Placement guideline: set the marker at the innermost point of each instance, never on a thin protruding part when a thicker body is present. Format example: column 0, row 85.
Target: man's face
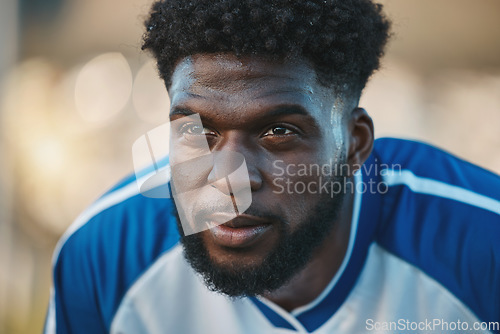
column 288, row 128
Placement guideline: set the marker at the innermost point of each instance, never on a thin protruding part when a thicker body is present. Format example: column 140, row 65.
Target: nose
column 231, row 172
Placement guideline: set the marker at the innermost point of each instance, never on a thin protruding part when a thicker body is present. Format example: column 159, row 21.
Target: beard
column 288, row 257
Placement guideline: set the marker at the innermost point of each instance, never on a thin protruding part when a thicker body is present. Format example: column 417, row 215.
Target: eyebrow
column 284, row 110
column 281, row 110
column 181, row 112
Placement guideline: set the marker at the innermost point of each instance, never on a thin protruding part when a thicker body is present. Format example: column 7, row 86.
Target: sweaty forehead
column 226, row 73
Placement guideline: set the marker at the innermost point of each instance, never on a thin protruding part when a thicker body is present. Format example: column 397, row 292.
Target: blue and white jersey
column 423, row 257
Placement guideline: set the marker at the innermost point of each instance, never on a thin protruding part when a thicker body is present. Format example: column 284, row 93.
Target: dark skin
column 272, row 111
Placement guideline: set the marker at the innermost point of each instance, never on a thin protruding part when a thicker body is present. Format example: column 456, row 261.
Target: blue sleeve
column 103, row 257
column 77, row 309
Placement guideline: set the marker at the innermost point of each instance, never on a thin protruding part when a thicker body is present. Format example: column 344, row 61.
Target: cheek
column 312, row 166
column 297, row 188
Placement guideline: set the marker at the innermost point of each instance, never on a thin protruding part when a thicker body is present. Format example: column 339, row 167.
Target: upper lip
column 242, row 220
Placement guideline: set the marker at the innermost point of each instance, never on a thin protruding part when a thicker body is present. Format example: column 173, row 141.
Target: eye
column 278, row 131
column 194, row 130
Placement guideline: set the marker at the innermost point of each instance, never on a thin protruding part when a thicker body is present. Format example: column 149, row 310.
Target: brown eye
column 278, row 131
column 194, row 129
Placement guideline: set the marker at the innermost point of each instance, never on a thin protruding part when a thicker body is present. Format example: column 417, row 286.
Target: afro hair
column 342, row 39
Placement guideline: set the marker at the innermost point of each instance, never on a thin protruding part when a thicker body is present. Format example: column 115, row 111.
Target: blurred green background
column 76, row 91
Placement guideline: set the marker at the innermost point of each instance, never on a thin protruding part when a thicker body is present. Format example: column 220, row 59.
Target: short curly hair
column 343, row 39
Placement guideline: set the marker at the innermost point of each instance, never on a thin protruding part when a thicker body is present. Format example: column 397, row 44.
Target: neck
column 308, row 284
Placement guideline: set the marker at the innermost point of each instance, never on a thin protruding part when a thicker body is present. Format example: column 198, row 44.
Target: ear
column 361, row 137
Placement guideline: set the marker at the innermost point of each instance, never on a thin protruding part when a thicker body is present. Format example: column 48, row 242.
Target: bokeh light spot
column 149, row 96
column 103, row 87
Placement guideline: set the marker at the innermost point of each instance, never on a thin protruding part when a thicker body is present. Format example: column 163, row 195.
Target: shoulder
column 429, row 162
column 109, row 246
column 442, row 215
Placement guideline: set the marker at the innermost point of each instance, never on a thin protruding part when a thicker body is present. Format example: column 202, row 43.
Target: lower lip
column 238, row 237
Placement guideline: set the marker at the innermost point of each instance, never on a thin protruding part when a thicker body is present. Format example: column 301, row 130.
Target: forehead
column 230, row 77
